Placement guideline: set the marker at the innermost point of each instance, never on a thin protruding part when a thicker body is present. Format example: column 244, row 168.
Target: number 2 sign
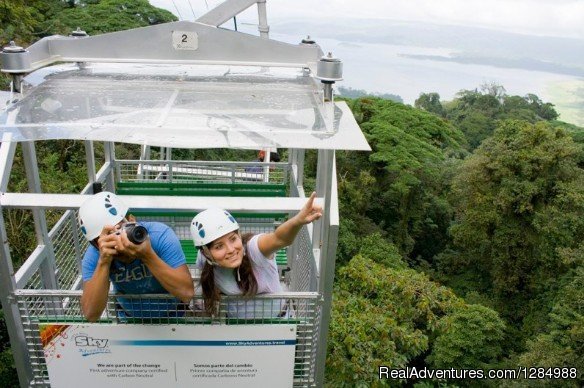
column 185, row 40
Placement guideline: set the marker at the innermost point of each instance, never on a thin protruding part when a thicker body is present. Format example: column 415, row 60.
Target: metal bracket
column 14, row 58
column 154, row 44
column 11, row 298
column 225, row 11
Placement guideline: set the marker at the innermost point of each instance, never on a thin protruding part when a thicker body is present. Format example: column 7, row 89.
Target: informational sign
column 98, row 355
column 185, row 40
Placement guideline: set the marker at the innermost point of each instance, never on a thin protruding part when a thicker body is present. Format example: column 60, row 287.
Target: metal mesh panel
column 302, row 262
column 314, row 338
column 35, row 282
column 196, row 172
column 301, row 309
column 67, row 244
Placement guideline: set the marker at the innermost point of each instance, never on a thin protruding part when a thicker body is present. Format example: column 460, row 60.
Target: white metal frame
column 216, row 46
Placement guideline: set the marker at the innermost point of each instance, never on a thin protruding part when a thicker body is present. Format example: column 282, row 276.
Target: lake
column 387, row 68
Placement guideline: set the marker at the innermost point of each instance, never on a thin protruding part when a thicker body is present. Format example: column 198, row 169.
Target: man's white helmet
column 102, row 209
column 211, row 224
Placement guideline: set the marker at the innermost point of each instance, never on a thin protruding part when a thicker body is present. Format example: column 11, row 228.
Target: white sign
column 185, row 40
column 98, row 355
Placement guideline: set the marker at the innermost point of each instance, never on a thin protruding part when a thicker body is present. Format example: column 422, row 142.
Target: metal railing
column 68, row 245
column 38, row 307
column 301, row 307
column 201, row 171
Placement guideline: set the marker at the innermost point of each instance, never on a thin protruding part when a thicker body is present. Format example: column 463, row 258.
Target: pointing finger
column 310, row 203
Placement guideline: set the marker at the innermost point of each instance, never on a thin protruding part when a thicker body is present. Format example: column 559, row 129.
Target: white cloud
column 541, row 17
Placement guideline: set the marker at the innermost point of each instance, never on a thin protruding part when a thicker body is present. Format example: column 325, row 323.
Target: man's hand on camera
column 106, row 243
column 125, row 247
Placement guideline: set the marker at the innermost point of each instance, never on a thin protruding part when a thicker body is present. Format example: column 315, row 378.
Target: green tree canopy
column 476, row 112
column 430, row 102
column 471, row 337
column 387, row 314
column 405, row 175
column 561, row 344
column 518, row 202
column 112, row 15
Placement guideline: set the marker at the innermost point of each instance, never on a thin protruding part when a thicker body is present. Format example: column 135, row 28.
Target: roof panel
column 182, row 106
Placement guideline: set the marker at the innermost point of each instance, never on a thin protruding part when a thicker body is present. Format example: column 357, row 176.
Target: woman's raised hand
column 310, row 212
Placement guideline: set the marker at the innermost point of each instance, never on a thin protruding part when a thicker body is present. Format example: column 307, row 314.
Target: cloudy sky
column 563, row 18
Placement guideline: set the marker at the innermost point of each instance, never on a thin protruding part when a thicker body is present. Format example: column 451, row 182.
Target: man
column 155, row 266
column 274, row 157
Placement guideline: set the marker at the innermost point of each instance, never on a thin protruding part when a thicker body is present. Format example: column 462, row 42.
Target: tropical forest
column 461, row 241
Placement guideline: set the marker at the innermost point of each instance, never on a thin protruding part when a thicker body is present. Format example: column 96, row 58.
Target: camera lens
column 137, row 234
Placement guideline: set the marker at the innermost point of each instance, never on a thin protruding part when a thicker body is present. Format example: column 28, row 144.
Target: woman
column 233, row 264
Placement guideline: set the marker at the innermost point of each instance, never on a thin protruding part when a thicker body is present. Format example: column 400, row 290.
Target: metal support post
column 292, row 157
column 300, row 163
column 263, row 27
column 327, row 274
column 10, row 309
column 7, row 151
column 90, row 161
column 296, row 163
column 267, row 167
column 49, row 266
column 17, row 83
column 328, row 91
column 323, row 189
column 225, row 11
column 169, row 165
column 110, row 158
column 7, row 279
column 144, row 155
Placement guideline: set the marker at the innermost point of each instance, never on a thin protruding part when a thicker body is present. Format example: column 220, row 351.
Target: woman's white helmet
column 211, row 224
column 101, row 209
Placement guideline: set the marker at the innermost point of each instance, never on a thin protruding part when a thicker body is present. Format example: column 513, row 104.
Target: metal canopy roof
column 181, row 106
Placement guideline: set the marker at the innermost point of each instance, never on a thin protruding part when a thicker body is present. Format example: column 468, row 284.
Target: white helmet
column 102, row 209
column 211, row 224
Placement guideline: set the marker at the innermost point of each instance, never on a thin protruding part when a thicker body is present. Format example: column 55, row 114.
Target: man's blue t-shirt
column 136, row 278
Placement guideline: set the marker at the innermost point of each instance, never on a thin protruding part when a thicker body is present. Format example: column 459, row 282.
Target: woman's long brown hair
column 248, row 283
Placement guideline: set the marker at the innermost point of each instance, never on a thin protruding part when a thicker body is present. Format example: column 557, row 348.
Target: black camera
column 137, row 234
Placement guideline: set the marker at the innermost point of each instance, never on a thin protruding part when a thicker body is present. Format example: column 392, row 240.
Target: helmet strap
column 244, row 252
column 208, row 255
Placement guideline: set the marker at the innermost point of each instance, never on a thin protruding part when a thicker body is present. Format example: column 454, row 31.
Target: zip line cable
column 192, row 10
column 177, row 11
